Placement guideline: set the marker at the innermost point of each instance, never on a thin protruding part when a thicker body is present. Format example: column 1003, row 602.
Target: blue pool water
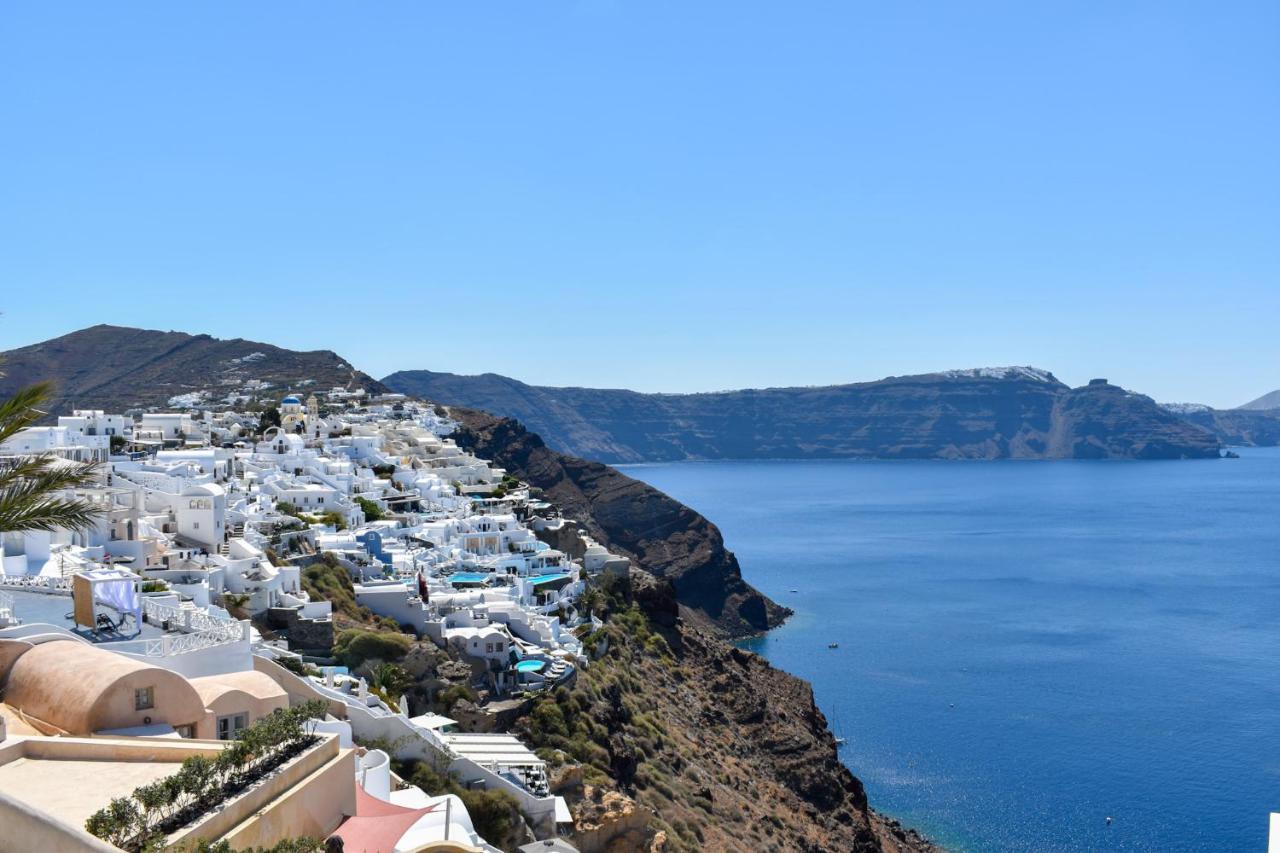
column 530, row 665
column 1028, row 647
column 547, row 578
column 468, row 577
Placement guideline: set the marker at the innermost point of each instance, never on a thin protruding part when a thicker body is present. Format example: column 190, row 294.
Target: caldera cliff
column 661, row 535
column 989, row 413
column 673, row 738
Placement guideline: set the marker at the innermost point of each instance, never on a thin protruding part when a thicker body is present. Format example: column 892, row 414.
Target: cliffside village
column 180, row 621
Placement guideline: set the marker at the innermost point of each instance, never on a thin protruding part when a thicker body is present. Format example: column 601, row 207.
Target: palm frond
column 48, row 513
column 19, row 468
column 47, row 473
column 33, row 488
column 23, row 408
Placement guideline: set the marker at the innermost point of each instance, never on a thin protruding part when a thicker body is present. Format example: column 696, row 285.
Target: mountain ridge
column 981, row 413
column 1270, row 400
column 120, row 367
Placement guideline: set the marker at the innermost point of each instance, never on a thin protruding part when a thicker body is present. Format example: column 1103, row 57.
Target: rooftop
column 71, row 778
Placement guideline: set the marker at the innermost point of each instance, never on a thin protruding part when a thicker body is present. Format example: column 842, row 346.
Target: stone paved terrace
column 74, row 789
column 38, row 607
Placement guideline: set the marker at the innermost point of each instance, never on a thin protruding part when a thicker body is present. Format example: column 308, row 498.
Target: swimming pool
column 537, row 579
column 530, row 665
column 469, row 577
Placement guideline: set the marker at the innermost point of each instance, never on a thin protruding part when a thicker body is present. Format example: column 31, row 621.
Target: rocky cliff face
column 1240, row 427
column 695, row 745
column 1000, row 413
column 116, row 368
column 1102, row 421
column 688, row 743
column 660, row 534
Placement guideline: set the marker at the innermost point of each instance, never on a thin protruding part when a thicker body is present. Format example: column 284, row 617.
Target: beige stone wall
column 315, row 808
column 307, row 797
column 27, row 825
column 298, row 689
column 27, row 829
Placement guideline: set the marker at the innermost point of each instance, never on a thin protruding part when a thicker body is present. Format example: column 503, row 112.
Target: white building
column 93, row 422
column 59, row 441
column 200, row 512
column 168, row 426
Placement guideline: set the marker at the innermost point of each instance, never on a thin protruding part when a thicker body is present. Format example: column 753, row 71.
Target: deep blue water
column 1029, row 647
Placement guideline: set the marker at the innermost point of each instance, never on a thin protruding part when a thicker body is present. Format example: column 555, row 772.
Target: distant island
column 985, row 413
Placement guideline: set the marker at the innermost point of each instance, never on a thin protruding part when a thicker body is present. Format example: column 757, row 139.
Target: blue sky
column 664, row 196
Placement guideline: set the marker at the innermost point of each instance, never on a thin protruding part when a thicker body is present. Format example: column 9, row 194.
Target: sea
column 1030, row 655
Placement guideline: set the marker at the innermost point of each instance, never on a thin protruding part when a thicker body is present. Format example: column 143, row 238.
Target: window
column 185, row 731
column 231, row 725
column 144, row 698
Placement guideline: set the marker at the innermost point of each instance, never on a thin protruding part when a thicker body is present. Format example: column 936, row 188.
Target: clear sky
column 664, row 196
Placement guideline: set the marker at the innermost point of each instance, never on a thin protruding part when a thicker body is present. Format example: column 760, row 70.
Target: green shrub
column 450, row 695
column 372, row 512
column 141, row 820
column 294, row 665
column 492, row 812
column 328, row 580
column 548, row 717
column 392, row 680
column 421, row 773
column 354, row 646
column 334, row 519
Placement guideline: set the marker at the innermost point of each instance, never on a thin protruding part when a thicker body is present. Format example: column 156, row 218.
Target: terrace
column 35, row 608
column 186, row 640
column 51, row 787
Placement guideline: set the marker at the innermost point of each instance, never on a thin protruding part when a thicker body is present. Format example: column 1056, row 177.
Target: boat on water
column 833, row 645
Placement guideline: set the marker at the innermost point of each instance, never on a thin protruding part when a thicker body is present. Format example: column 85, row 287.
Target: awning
column 377, row 825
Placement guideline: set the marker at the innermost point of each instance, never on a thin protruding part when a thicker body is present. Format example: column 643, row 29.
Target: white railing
column 177, row 644
column 157, row 612
column 188, row 620
column 37, row 583
column 202, row 622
